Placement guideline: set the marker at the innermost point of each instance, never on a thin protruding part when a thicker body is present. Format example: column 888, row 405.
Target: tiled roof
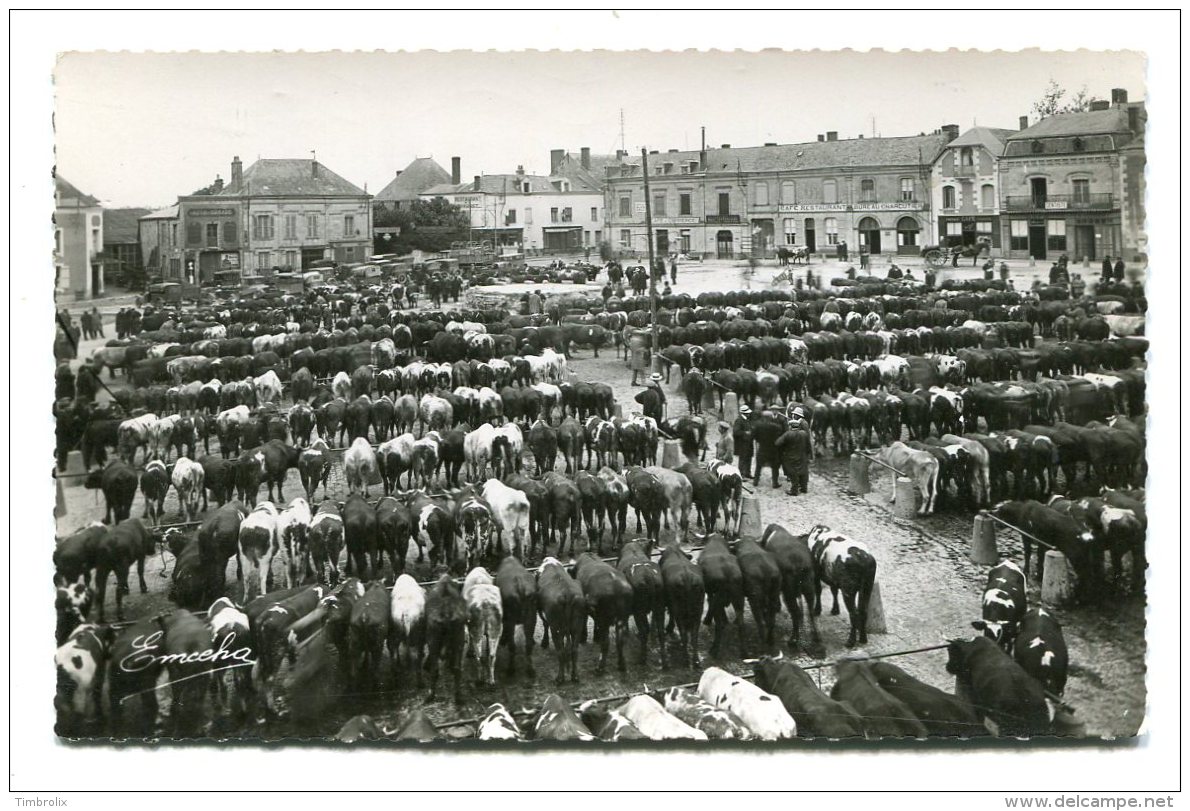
column 421, row 174
column 593, row 177
column 67, row 190
column 120, row 225
column 852, row 152
column 167, row 213
column 1092, row 122
column 292, row 177
column 990, row 138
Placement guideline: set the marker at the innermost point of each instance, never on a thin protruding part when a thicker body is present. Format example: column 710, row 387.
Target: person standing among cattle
column 1118, row 270
column 673, row 268
column 86, row 384
column 97, row 322
column 534, row 302
column 725, row 447
column 794, row 447
column 741, row 435
column 1105, row 277
column 652, row 399
column 765, row 431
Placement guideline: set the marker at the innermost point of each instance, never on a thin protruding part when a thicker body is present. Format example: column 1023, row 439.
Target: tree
column 426, row 225
column 1050, row 102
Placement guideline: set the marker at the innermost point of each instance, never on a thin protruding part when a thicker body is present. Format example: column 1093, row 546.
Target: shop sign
column 901, row 206
column 723, row 219
column 211, row 212
column 1051, row 205
column 230, row 260
column 790, row 208
column 675, row 220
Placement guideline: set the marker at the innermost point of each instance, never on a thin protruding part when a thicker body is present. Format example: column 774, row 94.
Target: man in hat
column 797, row 415
column 1105, row 277
column 795, row 449
column 741, row 435
column 652, row 399
column 1118, row 270
column 765, row 432
column 86, row 383
column 725, row 447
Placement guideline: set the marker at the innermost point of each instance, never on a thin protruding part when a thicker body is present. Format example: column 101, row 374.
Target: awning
column 561, row 228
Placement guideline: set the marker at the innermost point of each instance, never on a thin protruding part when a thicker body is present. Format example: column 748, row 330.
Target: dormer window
column 1078, row 145
column 669, row 168
column 1037, row 147
column 525, row 187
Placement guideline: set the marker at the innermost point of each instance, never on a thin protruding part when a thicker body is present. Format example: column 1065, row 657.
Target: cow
column 271, row 618
column 258, row 546
column 188, row 477
column 1058, row 531
column 267, row 388
column 762, row 713
column 160, row 436
column 556, row 721
column 1004, row 604
column 477, row 448
column 360, row 534
column 359, row 466
column 1008, row 700
column 920, row 466
column 608, row 597
column 941, row 713
column 608, row 724
column 648, row 596
column 724, row 584
column 426, row 452
column 682, row 585
column 883, row 714
column 434, row 526
column 497, row 725
column 485, row 622
column 314, row 468
column 185, row 639
column 115, row 552
column 132, row 434
column 407, row 625
column 446, row 630
column 135, row 666
column 508, row 446
column 563, row 609
column 815, row 713
column 731, row 494
column 518, row 598
column 1041, row 650
column 154, row 486
column 510, row 508
column 230, row 630
column 796, row 564
column 647, row 715
column 843, row 563
column 616, row 499
column 301, row 423
column 762, row 587
column 293, row 524
column 543, row 443
column 564, row 509
column 369, row 631
column 81, row 663
column 679, row 495
column 325, row 540
column 716, row 723
column 72, row 604
column 118, row 481
column 395, row 457
column 341, row 385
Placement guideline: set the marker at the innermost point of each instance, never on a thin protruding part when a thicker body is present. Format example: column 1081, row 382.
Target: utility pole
column 644, row 155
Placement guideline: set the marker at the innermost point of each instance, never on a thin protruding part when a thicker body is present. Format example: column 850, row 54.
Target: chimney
column 313, row 168
column 653, row 152
column 585, row 157
column 671, row 150
column 476, row 183
column 770, row 143
column 520, row 169
column 620, row 154
column 1100, row 104
column 821, row 137
column 556, row 158
column 237, row 173
column 860, row 136
column 218, row 184
column 951, row 131
column 1024, row 122
column 456, row 170
column 1119, row 95
column 1134, row 120
column 726, row 146
column 832, row 135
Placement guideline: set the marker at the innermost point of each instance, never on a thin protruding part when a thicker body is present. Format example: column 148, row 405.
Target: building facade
column 410, row 182
column 123, row 263
column 964, row 188
column 78, row 242
column 538, row 213
column 279, row 214
column 161, row 244
column 1073, row 184
column 870, row 193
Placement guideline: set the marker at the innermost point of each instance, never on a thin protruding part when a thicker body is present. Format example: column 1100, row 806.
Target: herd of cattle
column 430, row 397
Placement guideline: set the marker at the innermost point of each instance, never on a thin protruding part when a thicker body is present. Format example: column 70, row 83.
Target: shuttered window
column 193, row 233
column 229, row 232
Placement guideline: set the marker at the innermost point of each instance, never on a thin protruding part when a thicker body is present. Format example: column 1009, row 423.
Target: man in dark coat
column 1119, row 269
column 794, row 447
column 652, row 399
column 741, row 435
column 765, row 432
column 673, row 269
column 1107, row 270
column 86, row 384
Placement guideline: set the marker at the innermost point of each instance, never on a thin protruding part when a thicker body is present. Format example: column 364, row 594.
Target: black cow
column 762, row 586
column 609, row 603
column 128, row 543
column 118, row 481
column 1009, row 701
column 648, row 596
column 1042, row 650
column 518, row 598
column 792, row 553
column 816, row 713
column 1004, row 604
column 883, row 715
column 942, row 713
column 724, row 584
column 563, row 609
column 446, row 630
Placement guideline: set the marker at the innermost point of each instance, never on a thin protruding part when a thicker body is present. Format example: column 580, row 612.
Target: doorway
column 869, row 234
column 1037, row 241
column 723, row 245
column 1084, row 241
column 808, row 227
column 96, row 280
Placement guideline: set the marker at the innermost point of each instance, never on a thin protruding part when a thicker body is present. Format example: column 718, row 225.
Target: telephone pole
column 644, row 164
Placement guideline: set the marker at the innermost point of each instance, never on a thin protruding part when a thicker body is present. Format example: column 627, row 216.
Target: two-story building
column 557, row 213
column 1073, row 184
column 161, row 243
column 122, row 258
column 964, row 190
column 78, row 241
column 277, row 214
column 871, row 193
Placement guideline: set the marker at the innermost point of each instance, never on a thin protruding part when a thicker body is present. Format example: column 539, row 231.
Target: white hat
column 745, row 410
column 656, row 376
column 797, row 412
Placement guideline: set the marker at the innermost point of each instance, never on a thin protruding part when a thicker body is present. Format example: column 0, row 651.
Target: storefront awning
column 561, row 228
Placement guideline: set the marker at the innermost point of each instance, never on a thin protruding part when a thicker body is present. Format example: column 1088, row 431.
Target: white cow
column 292, row 526
column 647, row 715
column 477, row 450
column 188, row 479
column 510, row 507
column 359, row 466
column 485, row 620
column 258, row 547
column 267, row 388
column 762, row 713
column 341, row 385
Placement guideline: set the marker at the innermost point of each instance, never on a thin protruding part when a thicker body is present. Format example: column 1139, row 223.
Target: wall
column 331, row 212
column 79, row 249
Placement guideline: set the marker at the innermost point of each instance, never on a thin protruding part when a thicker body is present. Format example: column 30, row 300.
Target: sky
column 139, row 129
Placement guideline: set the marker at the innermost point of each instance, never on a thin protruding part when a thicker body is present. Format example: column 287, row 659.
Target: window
column 525, row 187
column 724, row 203
column 262, row 226
column 830, row 192
column 948, row 196
column 907, row 229
column 659, row 205
column 510, row 216
column 657, row 169
column 626, row 206
column 625, row 238
column 790, row 226
column 1018, row 235
column 762, row 194
column 58, row 240
column 1082, row 190
column 229, row 232
column 567, row 215
column 553, row 215
column 954, row 229
column 984, row 228
column 96, row 242
column 867, row 191
column 684, row 204
column 788, row 192
column 1078, row 145
column 685, row 168
column 262, row 259
column 212, row 235
column 831, row 226
column 1037, row 147
column 528, row 216
column 669, row 168
column 348, row 225
column 586, row 237
column 312, row 225
column 173, row 233
column 684, row 237
column 291, row 226
column 987, row 196
column 95, row 221
column 908, row 191
column 966, row 156
column 594, row 214
column 291, row 258
column 1055, row 232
